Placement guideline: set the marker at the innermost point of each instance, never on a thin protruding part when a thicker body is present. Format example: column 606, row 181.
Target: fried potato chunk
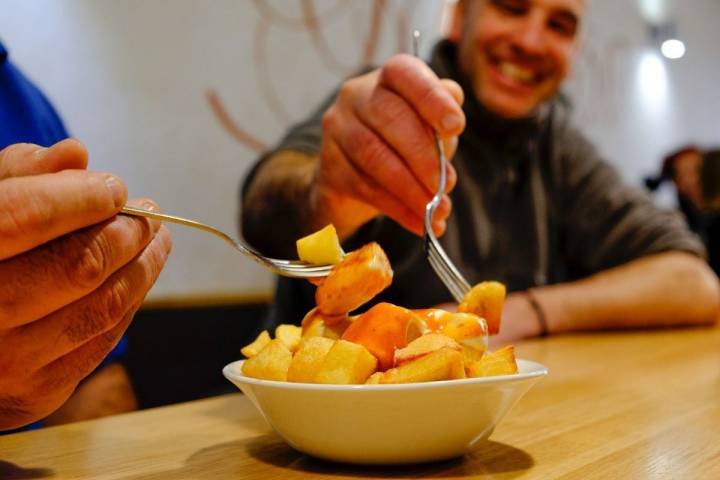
column 271, row 363
column 383, row 329
column 346, row 363
column 374, row 379
column 471, row 354
column 252, row 349
column 467, row 329
column 315, row 324
column 443, row 364
column 290, row 335
column 321, row 247
column 424, row 345
column 500, row 362
column 486, row 300
column 307, row 360
column 314, row 328
column 361, row 275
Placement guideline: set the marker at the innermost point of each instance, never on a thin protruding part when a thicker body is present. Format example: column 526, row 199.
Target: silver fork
column 439, row 261
column 287, row 268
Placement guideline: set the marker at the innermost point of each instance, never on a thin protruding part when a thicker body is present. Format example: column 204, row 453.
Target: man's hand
column 519, row 321
column 73, row 274
column 378, row 152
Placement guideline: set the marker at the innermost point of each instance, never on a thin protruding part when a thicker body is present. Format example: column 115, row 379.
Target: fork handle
column 141, row 212
column 288, row 268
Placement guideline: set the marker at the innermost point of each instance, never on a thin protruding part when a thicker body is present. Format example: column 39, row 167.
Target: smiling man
column 516, row 52
column 533, row 205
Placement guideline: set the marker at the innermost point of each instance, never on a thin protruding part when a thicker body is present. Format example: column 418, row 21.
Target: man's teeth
column 517, row 72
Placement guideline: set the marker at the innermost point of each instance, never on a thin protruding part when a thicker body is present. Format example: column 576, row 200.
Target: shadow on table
column 268, row 456
column 10, row 471
column 489, row 458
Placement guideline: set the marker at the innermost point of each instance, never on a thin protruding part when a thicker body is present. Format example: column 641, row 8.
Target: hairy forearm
column 668, row 289
column 276, row 208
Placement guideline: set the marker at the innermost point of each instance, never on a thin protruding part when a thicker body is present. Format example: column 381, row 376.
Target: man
column 534, row 206
column 73, row 273
column 696, row 175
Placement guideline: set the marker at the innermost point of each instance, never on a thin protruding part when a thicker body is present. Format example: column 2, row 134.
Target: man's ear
column 457, row 18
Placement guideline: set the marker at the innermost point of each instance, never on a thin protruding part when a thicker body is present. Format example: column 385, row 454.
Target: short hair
column 666, row 172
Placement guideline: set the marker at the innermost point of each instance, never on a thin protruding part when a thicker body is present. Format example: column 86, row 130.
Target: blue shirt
column 26, row 116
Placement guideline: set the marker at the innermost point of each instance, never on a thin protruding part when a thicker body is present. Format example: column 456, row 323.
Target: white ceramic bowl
column 387, row 424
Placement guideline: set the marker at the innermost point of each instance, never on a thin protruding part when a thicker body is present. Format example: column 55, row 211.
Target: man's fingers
column 454, row 89
column 450, row 145
column 392, row 111
column 439, row 220
column 346, row 178
column 69, row 361
column 375, row 160
column 379, row 145
column 26, row 159
column 66, row 372
column 90, row 319
column 399, row 125
column 58, row 273
column 413, row 80
column 36, row 209
column 393, row 120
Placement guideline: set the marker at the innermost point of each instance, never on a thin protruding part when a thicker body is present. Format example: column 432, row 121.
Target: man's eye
column 564, row 27
column 510, row 7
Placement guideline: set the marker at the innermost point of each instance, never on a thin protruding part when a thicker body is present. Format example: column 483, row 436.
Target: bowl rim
column 230, row 371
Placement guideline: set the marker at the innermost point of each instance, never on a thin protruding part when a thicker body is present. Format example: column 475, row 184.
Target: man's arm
column 371, row 151
column 276, row 204
column 663, row 290
column 283, row 203
column 644, row 268
column 667, row 289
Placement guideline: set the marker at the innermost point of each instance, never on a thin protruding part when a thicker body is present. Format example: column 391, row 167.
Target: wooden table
column 615, row 406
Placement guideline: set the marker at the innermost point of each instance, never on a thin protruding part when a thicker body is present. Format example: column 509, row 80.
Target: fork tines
column 445, row 270
column 297, row 269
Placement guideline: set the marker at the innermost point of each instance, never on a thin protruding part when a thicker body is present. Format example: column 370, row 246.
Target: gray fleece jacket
column 534, row 204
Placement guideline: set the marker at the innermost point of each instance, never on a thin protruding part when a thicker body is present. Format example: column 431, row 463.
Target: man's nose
column 531, row 36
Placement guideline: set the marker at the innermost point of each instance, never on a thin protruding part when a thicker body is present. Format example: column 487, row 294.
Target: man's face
column 686, row 173
column 517, row 52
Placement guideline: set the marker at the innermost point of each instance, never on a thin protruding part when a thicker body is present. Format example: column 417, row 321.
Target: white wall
column 130, row 78
column 633, row 102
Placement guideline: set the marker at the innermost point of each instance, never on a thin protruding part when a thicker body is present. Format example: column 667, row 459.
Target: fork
column 286, row 268
column 439, row 260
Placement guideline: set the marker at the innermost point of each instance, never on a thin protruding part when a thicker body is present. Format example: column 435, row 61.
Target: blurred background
column 179, row 97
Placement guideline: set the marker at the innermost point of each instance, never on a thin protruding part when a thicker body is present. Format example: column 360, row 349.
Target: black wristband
column 539, row 313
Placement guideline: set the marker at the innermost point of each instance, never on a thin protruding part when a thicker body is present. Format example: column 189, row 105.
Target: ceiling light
column 673, row 49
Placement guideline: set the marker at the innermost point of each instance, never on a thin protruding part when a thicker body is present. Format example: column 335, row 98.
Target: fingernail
column 451, row 122
column 152, row 207
column 147, row 204
column 40, row 153
column 117, row 188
